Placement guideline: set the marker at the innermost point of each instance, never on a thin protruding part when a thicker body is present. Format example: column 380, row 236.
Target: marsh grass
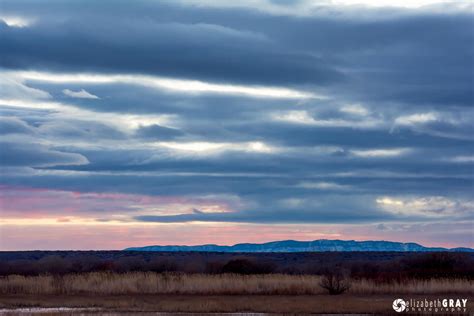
column 106, row 283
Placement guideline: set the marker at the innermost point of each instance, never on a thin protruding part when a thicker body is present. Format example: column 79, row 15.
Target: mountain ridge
column 319, row 245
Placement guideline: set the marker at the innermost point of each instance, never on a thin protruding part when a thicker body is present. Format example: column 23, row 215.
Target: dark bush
column 364, row 270
column 103, row 265
column 214, row 267
column 334, row 282
column 129, row 264
column 245, row 266
column 22, row 267
column 439, row 265
column 161, row 265
column 54, row 265
column 86, row 263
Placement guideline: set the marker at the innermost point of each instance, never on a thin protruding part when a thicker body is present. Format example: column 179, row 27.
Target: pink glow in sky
column 54, row 219
column 43, row 203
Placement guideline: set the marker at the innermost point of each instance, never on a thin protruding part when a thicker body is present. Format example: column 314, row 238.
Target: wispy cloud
column 16, row 21
column 380, row 153
column 179, row 85
column 81, row 94
column 303, row 117
column 418, row 118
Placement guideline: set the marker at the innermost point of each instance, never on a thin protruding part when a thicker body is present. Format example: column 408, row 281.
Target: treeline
column 416, row 265
column 419, row 266
column 57, row 265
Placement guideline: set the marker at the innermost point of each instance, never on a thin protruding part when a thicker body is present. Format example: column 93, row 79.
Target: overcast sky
column 187, row 122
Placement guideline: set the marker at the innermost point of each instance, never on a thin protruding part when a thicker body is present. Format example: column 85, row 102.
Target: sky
column 190, row 122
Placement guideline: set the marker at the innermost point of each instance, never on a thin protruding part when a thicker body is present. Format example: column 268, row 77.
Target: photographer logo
column 399, row 305
column 444, row 305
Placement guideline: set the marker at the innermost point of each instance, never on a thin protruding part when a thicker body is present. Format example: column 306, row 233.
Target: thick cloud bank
column 260, row 112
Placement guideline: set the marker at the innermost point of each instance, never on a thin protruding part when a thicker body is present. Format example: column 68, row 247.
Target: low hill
column 305, row 246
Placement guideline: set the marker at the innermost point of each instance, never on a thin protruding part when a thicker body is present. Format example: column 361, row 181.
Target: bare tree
column 334, row 282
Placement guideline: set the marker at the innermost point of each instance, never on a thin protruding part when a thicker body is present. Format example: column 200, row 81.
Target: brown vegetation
column 106, row 283
column 217, row 282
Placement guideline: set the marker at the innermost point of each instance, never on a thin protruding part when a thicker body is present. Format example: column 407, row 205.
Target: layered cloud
column 252, row 114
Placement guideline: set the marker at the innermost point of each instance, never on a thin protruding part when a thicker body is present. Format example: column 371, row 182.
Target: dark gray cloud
column 328, row 215
column 196, row 51
column 417, row 58
column 13, row 125
column 80, row 129
column 397, row 120
column 30, row 154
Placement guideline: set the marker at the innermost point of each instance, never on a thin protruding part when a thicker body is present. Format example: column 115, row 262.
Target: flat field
column 198, row 293
column 122, row 282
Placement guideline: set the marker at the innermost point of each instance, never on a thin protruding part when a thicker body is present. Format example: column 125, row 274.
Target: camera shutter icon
column 399, row 305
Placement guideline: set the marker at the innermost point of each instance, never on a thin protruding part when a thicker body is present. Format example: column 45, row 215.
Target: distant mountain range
column 305, row 246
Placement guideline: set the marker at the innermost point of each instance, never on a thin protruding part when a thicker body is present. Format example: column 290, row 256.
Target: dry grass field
column 212, row 282
column 106, row 283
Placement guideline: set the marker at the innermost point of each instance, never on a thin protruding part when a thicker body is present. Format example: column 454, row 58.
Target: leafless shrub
column 334, row 282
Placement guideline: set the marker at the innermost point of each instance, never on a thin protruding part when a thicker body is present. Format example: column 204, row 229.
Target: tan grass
column 431, row 286
column 103, row 283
